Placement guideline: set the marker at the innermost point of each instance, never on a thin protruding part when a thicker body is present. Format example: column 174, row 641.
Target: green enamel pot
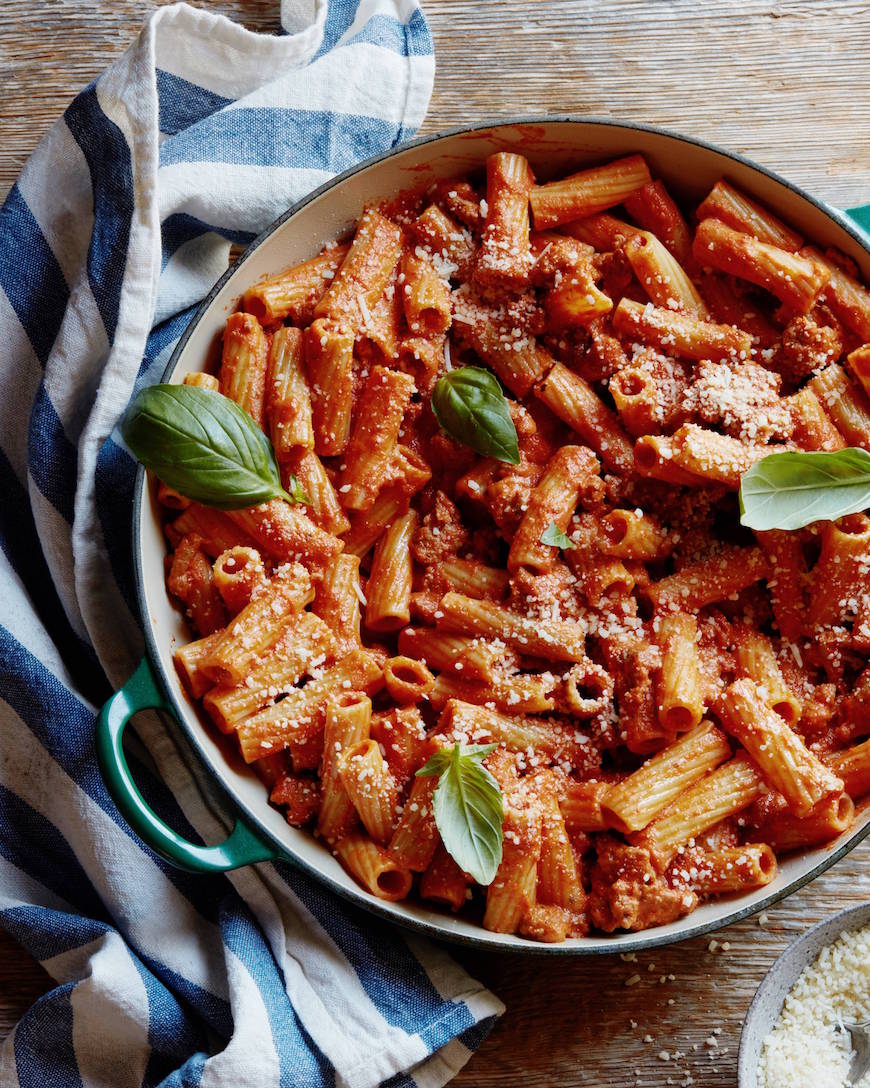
column 555, row 146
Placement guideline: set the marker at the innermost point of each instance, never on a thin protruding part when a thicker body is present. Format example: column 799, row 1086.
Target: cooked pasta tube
column 781, row 755
column 258, row 626
column 373, row 867
column 188, row 664
column 519, row 693
column 679, row 692
column 569, row 473
column 295, row 292
column 635, row 801
column 401, row 734
column 337, row 600
column 425, row 296
column 514, row 885
column 849, row 300
column 737, row 210
column 444, row 882
column 329, row 366
column 796, row 280
column 574, row 401
column 473, row 658
column 449, row 239
column 853, row 766
column 720, row 872
column 604, row 232
column 756, row 660
column 787, row 582
column 839, row 577
column 727, row 790
column 204, row 381
column 304, row 644
column 321, row 504
column 662, row 277
column 504, row 257
column 633, row 534
column 518, row 361
column 587, row 192
column 287, row 534
column 301, row 714
column 813, row 427
column 708, row 580
column 585, row 690
column 473, row 578
column 717, row 458
column 366, row 777
column 653, row 207
column 581, row 805
column 550, row 740
column 192, row 581
column 243, row 364
column 680, row 334
column 555, row 640
column 377, row 341
column 239, row 575
column 416, row 837
column 859, row 364
column 388, row 590
column 655, row 456
column 288, row 402
column 785, row 831
column 372, row 446
column 367, row 526
column 558, row 880
column 364, row 272
column 215, row 529
column 346, row 723
column 845, row 403
column 407, row 680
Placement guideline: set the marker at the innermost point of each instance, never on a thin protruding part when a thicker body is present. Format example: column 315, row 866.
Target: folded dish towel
column 198, row 136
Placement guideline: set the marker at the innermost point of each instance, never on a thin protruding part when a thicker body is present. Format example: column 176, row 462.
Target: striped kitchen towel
column 197, row 137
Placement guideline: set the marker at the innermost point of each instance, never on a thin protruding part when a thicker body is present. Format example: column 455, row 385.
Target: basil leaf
column 469, row 405
column 297, row 494
column 468, row 809
column 203, row 445
column 554, row 536
column 794, row 489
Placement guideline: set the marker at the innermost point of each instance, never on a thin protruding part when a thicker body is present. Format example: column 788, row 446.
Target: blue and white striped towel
column 199, row 135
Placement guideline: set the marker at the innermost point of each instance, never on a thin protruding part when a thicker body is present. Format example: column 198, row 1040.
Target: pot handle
column 244, row 845
column 861, row 216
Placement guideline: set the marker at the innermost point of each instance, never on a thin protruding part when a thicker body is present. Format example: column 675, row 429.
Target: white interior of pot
column 554, row 148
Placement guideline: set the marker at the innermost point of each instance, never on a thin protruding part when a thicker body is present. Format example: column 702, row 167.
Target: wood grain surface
column 782, row 82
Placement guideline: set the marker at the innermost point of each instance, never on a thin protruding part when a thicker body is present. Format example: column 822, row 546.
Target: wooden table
column 784, row 83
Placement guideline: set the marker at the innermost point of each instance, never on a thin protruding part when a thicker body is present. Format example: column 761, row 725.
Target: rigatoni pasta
column 670, row 701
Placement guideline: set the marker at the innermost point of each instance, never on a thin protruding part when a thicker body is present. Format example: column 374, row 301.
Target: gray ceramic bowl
column 771, row 994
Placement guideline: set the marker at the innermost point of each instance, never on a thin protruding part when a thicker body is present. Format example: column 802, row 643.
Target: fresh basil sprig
column 791, row 490
column 205, row 446
column 469, row 405
column 468, row 808
column 554, row 536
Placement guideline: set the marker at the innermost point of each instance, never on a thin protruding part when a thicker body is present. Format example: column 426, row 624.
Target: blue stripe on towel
column 182, row 103
column 110, row 163
column 292, row 139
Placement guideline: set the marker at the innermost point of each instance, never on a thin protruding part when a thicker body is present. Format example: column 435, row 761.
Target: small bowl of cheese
column 793, row 1035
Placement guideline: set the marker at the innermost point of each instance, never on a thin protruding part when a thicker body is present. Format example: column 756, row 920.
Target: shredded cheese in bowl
column 806, row 1047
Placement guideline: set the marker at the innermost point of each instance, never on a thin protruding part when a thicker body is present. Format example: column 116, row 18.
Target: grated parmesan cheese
column 806, row 1049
